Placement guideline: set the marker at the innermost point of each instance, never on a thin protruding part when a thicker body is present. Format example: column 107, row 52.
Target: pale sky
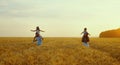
column 58, row 18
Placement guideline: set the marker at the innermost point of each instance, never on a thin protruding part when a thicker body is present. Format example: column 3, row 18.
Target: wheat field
column 59, row 51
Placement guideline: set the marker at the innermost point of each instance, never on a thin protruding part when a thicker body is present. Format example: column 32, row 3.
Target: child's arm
column 33, row 30
column 42, row 31
column 81, row 33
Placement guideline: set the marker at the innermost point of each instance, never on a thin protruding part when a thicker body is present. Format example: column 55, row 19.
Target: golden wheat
column 59, row 51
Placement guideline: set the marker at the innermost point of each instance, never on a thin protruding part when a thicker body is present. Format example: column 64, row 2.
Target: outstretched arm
column 81, row 33
column 42, row 31
column 33, row 30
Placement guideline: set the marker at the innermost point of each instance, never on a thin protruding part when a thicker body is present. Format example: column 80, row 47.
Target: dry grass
column 59, row 51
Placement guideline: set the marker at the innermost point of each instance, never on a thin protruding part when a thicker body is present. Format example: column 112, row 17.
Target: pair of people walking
column 38, row 37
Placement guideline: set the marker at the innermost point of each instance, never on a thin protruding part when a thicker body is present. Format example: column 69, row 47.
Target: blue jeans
column 86, row 44
column 39, row 40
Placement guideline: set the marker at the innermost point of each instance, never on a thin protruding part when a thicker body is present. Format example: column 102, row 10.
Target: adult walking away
column 37, row 36
column 85, row 37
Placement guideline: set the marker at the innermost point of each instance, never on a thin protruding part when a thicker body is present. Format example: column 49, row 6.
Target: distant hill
column 110, row 33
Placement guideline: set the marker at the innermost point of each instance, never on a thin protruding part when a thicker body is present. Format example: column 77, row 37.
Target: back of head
column 85, row 29
column 37, row 28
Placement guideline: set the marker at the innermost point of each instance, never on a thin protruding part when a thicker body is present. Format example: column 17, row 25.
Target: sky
column 58, row 18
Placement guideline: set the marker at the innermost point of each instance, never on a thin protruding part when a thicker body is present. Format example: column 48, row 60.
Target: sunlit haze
column 58, row 18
